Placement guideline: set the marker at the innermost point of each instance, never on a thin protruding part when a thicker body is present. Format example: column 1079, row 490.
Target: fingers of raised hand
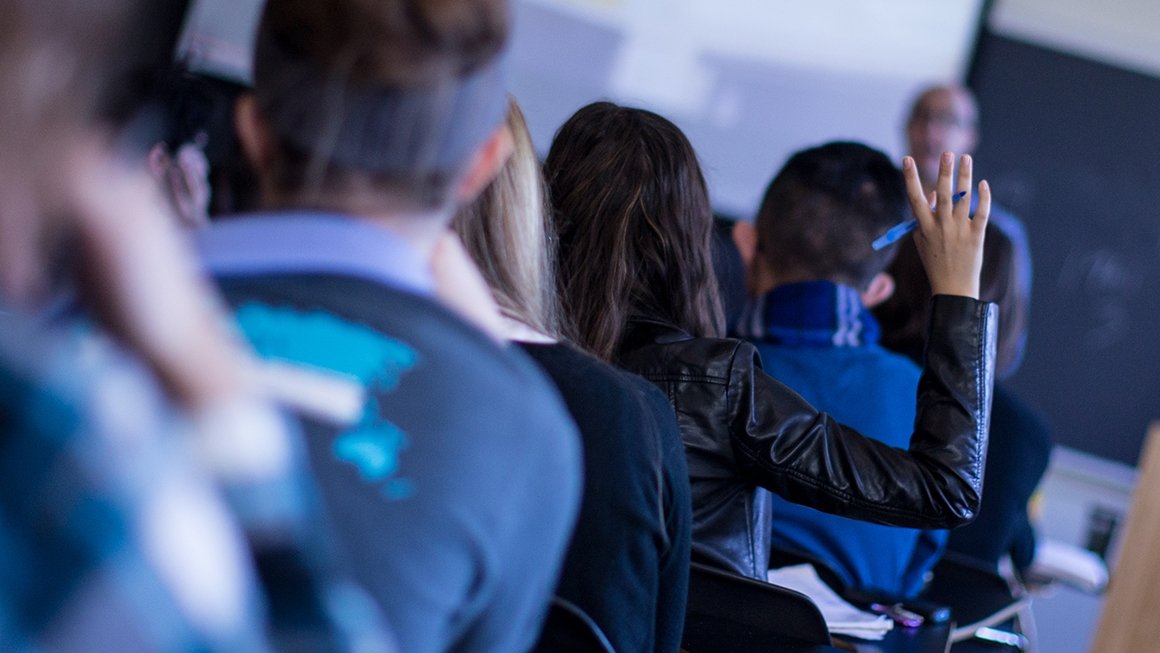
column 983, row 210
column 962, row 208
column 919, row 202
column 944, row 188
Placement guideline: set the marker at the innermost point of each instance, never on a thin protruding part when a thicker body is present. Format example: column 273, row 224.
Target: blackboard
column 1073, row 147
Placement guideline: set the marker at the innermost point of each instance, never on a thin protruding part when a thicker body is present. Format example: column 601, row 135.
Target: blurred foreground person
column 126, row 443
column 112, row 540
column 447, row 462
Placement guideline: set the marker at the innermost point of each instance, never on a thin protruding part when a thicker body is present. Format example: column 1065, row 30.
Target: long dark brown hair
column 634, row 222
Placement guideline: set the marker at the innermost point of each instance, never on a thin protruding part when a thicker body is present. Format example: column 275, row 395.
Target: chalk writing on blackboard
column 1102, row 283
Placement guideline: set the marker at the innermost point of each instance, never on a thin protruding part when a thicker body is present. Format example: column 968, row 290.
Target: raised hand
column 949, row 241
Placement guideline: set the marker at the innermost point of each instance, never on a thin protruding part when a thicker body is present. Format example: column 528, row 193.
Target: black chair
column 727, row 613
column 568, row 629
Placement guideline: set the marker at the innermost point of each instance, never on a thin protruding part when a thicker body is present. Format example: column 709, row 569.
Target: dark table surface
column 925, row 639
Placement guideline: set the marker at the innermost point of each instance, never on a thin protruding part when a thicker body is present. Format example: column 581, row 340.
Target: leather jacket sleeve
column 784, row 444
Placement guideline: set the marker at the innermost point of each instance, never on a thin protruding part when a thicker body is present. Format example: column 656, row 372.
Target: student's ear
column 745, row 238
column 485, row 164
column 880, row 289
column 253, row 132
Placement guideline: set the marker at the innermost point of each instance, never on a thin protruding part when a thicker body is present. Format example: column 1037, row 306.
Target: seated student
column 1021, row 442
column 452, row 478
column 814, row 279
column 112, row 536
column 632, row 213
column 628, row 563
column 83, row 215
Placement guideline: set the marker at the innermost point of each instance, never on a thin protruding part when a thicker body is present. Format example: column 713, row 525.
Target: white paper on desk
column 841, row 617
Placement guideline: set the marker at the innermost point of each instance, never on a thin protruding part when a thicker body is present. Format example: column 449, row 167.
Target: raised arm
column 784, row 444
column 808, row 458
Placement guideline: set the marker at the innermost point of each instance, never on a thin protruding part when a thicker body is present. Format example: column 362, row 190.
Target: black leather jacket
column 744, row 431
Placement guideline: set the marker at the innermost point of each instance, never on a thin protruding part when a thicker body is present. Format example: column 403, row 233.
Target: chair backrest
column 727, row 612
column 568, row 629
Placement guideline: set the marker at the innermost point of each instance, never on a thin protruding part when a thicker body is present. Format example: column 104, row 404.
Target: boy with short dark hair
column 815, row 276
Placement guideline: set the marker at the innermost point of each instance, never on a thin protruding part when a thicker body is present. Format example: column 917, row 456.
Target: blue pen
column 899, row 230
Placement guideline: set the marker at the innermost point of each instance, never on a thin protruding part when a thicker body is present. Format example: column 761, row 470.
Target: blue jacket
column 819, row 340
